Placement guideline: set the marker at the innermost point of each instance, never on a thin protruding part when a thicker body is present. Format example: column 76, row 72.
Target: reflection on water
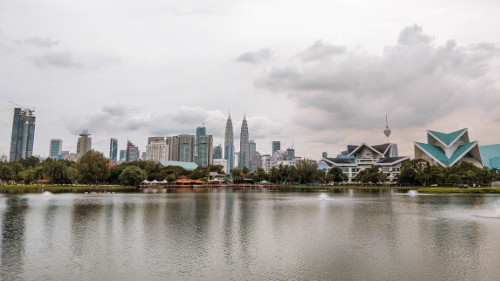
column 251, row 235
column 13, row 238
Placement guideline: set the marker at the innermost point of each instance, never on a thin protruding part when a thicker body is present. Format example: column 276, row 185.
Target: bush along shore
column 473, row 190
column 18, row 189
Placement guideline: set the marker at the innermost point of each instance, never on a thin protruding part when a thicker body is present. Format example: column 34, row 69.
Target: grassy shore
column 442, row 190
column 65, row 188
column 332, row 187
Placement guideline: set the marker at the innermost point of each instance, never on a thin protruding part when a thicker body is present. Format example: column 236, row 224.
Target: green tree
column 371, row 175
column 93, row 167
column 132, row 176
column 260, row 175
column 5, row 172
column 28, row 175
column 199, row 173
column 245, row 170
column 306, row 170
column 236, row 173
column 216, row 168
column 336, row 175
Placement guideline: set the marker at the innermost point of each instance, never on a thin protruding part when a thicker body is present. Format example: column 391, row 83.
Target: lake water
column 250, row 235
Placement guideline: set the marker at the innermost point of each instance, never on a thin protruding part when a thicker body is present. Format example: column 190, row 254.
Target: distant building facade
column 490, row 155
column 276, row 145
column 200, row 131
column 157, row 149
column 229, row 152
column 123, row 155
column 256, row 161
column 221, row 162
column 23, row 134
column 205, row 150
column 181, row 148
column 252, row 148
column 113, row 150
column 55, row 148
column 448, row 149
column 360, row 157
column 244, row 157
column 84, row 142
column 132, row 152
column 217, row 154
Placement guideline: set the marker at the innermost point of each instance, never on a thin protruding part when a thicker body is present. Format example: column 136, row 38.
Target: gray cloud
column 38, row 42
column 413, row 35
column 320, row 50
column 62, row 59
column 414, row 81
column 256, row 57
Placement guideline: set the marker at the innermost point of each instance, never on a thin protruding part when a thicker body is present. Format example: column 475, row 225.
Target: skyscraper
column 84, row 142
column 132, row 152
column 205, row 150
column 200, row 131
column 123, row 155
column 55, row 148
column 186, row 148
column 181, row 148
column 290, row 153
column 244, row 160
column 23, row 134
column 229, row 144
column 157, row 149
column 256, row 161
column 252, row 148
column 217, row 152
column 113, row 149
column 276, row 145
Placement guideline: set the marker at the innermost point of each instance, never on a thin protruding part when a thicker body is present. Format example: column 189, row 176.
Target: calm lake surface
column 250, row 235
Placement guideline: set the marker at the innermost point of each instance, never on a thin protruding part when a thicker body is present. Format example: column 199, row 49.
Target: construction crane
column 25, row 107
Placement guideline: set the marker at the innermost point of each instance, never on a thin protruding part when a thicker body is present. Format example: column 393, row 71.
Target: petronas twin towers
column 244, row 156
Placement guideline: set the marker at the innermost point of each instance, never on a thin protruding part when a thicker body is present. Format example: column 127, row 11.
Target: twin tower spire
column 244, row 156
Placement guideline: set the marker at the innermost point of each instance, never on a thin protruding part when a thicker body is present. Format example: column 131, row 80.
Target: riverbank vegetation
column 17, row 189
column 94, row 169
column 419, row 172
column 439, row 190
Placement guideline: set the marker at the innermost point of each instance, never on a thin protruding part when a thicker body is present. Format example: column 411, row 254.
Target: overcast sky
column 318, row 75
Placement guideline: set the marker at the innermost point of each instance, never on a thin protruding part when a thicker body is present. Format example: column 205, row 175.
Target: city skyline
column 322, row 76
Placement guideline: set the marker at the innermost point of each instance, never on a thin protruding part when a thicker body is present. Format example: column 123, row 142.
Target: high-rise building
column 186, row 148
column 217, row 152
column 23, row 134
column 276, row 145
column 252, row 148
column 132, row 152
column 157, row 149
column 123, row 155
column 113, row 150
column 256, row 161
column 244, row 160
column 84, row 142
column 181, row 148
column 55, row 148
column 290, row 153
column 200, row 131
column 229, row 144
column 205, row 150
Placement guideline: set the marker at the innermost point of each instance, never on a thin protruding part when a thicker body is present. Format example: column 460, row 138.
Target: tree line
column 93, row 168
column 419, row 172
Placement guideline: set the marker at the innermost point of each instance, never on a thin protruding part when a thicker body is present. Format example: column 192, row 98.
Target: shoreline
column 23, row 189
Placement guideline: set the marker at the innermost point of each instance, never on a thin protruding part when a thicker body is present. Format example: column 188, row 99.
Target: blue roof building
column 448, row 149
column 490, row 154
